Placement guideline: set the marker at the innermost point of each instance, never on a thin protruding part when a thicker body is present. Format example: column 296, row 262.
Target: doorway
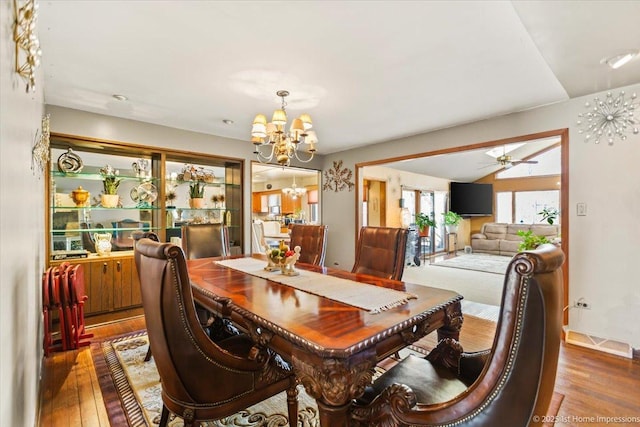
column 374, row 211
column 281, row 196
column 440, row 163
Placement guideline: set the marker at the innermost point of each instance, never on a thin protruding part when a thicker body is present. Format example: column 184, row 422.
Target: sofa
column 502, row 239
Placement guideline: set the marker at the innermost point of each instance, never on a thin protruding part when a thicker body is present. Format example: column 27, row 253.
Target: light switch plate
column 581, row 209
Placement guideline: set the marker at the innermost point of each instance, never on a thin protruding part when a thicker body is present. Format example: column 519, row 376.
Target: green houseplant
column 451, row 221
column 196, row 194
column 549, row 214
column 110, row 184
column 424, row 222
column 530, row 241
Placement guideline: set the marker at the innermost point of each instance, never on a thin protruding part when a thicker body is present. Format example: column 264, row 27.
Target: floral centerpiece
column 283, row 259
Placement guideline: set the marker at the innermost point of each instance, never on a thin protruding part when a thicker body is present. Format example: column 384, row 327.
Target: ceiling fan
column 507, row 161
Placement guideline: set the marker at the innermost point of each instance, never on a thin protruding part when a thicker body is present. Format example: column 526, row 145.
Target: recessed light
column 620, row 59
column 120, row 97
column 228, row 122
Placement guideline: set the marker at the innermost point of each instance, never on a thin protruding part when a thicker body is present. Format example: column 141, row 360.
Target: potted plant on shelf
column 549, row 214
column 110, row 184
column 196, row 195
column 451, row 221
column 424, row 224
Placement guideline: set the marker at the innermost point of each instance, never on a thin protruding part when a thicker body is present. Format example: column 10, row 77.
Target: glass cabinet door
column 200, row 193
column 81, row 215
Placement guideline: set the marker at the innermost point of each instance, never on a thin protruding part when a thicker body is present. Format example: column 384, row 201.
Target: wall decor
column 28, row 51
column 40, row 151
column 70, row 162
column 338, row 179
column 609, row 119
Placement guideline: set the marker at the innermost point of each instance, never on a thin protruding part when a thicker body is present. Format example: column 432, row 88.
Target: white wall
column 21, row 238
column 604, row 245
column 81, row 123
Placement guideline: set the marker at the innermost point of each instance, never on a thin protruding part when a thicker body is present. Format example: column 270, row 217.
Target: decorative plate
column 144, row 193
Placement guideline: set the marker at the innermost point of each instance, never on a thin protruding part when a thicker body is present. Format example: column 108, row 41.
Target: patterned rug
column 132, row 392
column 479, row 262
column 134, row 384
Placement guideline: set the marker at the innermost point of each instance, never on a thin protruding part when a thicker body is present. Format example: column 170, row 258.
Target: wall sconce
column 27, row 41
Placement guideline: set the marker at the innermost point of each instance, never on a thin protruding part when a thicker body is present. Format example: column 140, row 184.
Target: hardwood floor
column 594, row 384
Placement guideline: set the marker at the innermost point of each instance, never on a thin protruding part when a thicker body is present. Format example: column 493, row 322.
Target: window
column 504, row 207
column 525, row 205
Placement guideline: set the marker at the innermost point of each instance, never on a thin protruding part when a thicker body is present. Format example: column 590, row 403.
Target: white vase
column 109, row 200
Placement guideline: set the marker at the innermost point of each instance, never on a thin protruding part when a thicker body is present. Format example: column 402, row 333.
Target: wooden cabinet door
column 290, row 205
column 256, row 202
column 99, row 286
column 126, row 285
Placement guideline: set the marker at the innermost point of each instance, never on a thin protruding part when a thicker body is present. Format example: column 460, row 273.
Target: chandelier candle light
column 294, row 191
column 610, row 118
column 282, row 146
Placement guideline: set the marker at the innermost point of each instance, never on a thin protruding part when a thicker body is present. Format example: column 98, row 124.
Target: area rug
column 132, row 392
column 479, row 262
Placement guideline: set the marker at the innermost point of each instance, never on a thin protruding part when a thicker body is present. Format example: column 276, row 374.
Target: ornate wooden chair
column 507, row 385
column 205, row 240
column 312, row 240
column 380, row 252
column 201, row 379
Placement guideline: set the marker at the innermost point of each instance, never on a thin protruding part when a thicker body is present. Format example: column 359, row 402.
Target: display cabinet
column 153, row 191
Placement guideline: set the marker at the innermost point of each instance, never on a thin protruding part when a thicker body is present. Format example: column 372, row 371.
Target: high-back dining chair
column 258, row 237
column 205, row 240
column 137, row 235
column 380, row 252
column 201, row 379
column 312, row 240
column 509, row 385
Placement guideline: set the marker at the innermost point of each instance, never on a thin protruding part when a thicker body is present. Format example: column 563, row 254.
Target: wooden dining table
column 332, row 346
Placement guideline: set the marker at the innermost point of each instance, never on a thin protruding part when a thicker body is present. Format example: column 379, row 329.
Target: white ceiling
column 366, row 71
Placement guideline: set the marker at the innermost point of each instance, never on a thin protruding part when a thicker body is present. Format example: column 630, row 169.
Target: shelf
column 98, row 177
column 66, row 231
column 101, row 208
column 204, row 209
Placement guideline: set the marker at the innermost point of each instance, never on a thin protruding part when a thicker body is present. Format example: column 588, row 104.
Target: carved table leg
column 334, row 383
column 452, row 322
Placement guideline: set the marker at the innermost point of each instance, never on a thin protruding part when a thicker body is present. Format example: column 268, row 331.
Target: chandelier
column 610, row 118
column 272, row 142
column 294, row 191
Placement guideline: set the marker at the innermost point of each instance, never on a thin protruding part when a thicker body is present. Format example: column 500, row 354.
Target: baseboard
column 601, row 344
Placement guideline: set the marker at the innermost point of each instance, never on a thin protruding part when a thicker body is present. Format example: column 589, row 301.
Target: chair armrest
column 478, row 236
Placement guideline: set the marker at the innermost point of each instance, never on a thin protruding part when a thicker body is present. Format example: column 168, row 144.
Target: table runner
column 372, row 298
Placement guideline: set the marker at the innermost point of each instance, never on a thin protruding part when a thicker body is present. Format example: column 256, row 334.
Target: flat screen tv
column 471, row 199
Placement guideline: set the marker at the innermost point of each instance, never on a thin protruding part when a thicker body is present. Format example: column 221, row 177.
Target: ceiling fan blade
column 530, row 162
